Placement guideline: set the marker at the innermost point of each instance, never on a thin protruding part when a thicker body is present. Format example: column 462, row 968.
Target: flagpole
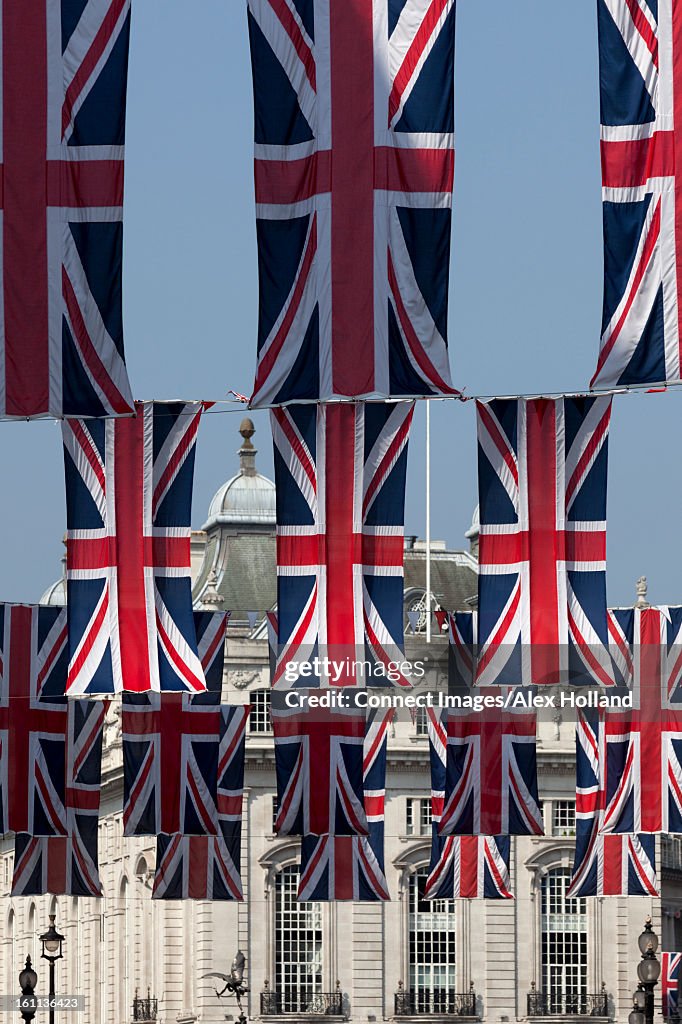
column 428, row 522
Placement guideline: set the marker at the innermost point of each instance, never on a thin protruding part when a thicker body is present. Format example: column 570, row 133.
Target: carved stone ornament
column 241, row 678
column 211, row 598
column 642, row 588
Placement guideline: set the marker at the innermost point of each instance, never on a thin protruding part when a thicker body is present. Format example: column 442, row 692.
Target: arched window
column 431, row 933
column 298, row 946
column 564, row 944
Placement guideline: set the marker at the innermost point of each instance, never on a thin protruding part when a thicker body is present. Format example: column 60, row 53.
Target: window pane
column 259, row 719
column 298, row 945
column 418, row 816
column 563, row 817
column 422, row 722
column 432, row 949
column 564, row 944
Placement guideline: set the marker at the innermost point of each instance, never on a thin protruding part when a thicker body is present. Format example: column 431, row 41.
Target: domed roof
column 249, row 497
column 55, row 596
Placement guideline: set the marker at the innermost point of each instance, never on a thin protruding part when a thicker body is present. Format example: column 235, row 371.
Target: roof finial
column 247, row 452
column 642, row 588
column 211, row 597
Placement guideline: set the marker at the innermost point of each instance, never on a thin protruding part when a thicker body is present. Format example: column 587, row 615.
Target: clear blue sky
column 525, row 288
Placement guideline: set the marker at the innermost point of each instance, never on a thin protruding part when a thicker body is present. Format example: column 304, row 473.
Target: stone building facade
column 539, row 955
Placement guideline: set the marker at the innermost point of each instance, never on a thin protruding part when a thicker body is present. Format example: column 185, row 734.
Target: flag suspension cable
column 241, row 401
column 238, row 404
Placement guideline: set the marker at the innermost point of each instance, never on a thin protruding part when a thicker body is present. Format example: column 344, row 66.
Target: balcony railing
column 561, row 1004
column 419, row 1002
column 301, row 1001
column 145, row 1009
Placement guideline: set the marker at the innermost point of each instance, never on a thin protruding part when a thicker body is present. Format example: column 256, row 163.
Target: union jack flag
column 354, row 172
column 64, row 74
column 319, row 766
column 352, row 867
column 301, row 751
column 33, row 719
column 604, row 865
column 542, row 468
column 68, row 864
column 208, row 867
column 340, row 474
column 670, row 972
column 62, row 865
column 491, row 785
column 128, row 500
column 640, row 79
column 467, row 867
column 490, row 775
column 170, row 763
column 639, row 799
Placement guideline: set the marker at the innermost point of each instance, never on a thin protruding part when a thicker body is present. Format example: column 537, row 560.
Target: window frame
column 260, row 721
column 418, row 826
column 282, row 855
column 578, row 910
column 396, row 968
column 303, row 938
column 565, row 831
column 552, row 854
column 446, row 963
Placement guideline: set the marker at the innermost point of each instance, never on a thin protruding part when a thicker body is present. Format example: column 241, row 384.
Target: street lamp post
column 28, row 980
column 648, row 972
column 52, row 951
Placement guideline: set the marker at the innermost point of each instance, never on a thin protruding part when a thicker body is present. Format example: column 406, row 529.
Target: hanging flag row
column 628, row 759
column 542, row 618
column 354, row 160
column 354, row 171
column 183, row 768
column 504, row 750
column 340, row 508
column 335, row 553
column 340, row 471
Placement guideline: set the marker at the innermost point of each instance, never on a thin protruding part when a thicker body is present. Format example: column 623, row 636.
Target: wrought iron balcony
column 145, row 1009
column 421, row 1002
column 562, row 1004
column 294, row 1000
